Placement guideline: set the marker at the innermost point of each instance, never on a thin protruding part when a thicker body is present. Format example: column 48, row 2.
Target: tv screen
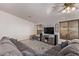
column 49, row 30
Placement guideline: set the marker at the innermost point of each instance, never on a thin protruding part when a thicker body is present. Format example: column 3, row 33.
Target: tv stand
column 46, row 39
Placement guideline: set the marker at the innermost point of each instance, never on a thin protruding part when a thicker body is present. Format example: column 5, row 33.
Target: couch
column 7, row 48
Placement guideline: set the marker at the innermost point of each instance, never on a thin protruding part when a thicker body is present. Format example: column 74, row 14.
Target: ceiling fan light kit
column 69, row 7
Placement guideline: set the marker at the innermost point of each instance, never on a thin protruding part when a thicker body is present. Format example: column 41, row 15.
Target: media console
column 46, row 39
column 49, row 39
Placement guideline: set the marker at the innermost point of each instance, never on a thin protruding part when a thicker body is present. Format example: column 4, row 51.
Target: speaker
column 41, row 36
column 55, row 39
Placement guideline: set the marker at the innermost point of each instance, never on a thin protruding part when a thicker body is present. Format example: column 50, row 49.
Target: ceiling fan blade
column 56, row 8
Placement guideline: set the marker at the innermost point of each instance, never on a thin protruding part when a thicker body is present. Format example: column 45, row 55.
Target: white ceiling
column 35, row 12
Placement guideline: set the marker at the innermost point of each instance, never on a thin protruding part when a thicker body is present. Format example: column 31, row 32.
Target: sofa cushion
column 64, row 44
column 13, row 40
column 6, row 40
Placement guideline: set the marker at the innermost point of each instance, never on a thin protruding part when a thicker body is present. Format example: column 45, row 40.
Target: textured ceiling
column 35, row 12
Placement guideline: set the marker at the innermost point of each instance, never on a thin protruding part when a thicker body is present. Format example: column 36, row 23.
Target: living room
column 39, row 29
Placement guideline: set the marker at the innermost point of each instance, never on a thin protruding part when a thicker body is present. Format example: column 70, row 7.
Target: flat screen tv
column 49, row 30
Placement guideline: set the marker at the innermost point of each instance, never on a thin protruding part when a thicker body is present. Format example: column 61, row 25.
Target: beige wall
column 15, row 27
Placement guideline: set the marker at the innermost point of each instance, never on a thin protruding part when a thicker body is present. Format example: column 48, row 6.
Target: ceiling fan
column 69, row 7
column 64, row 7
